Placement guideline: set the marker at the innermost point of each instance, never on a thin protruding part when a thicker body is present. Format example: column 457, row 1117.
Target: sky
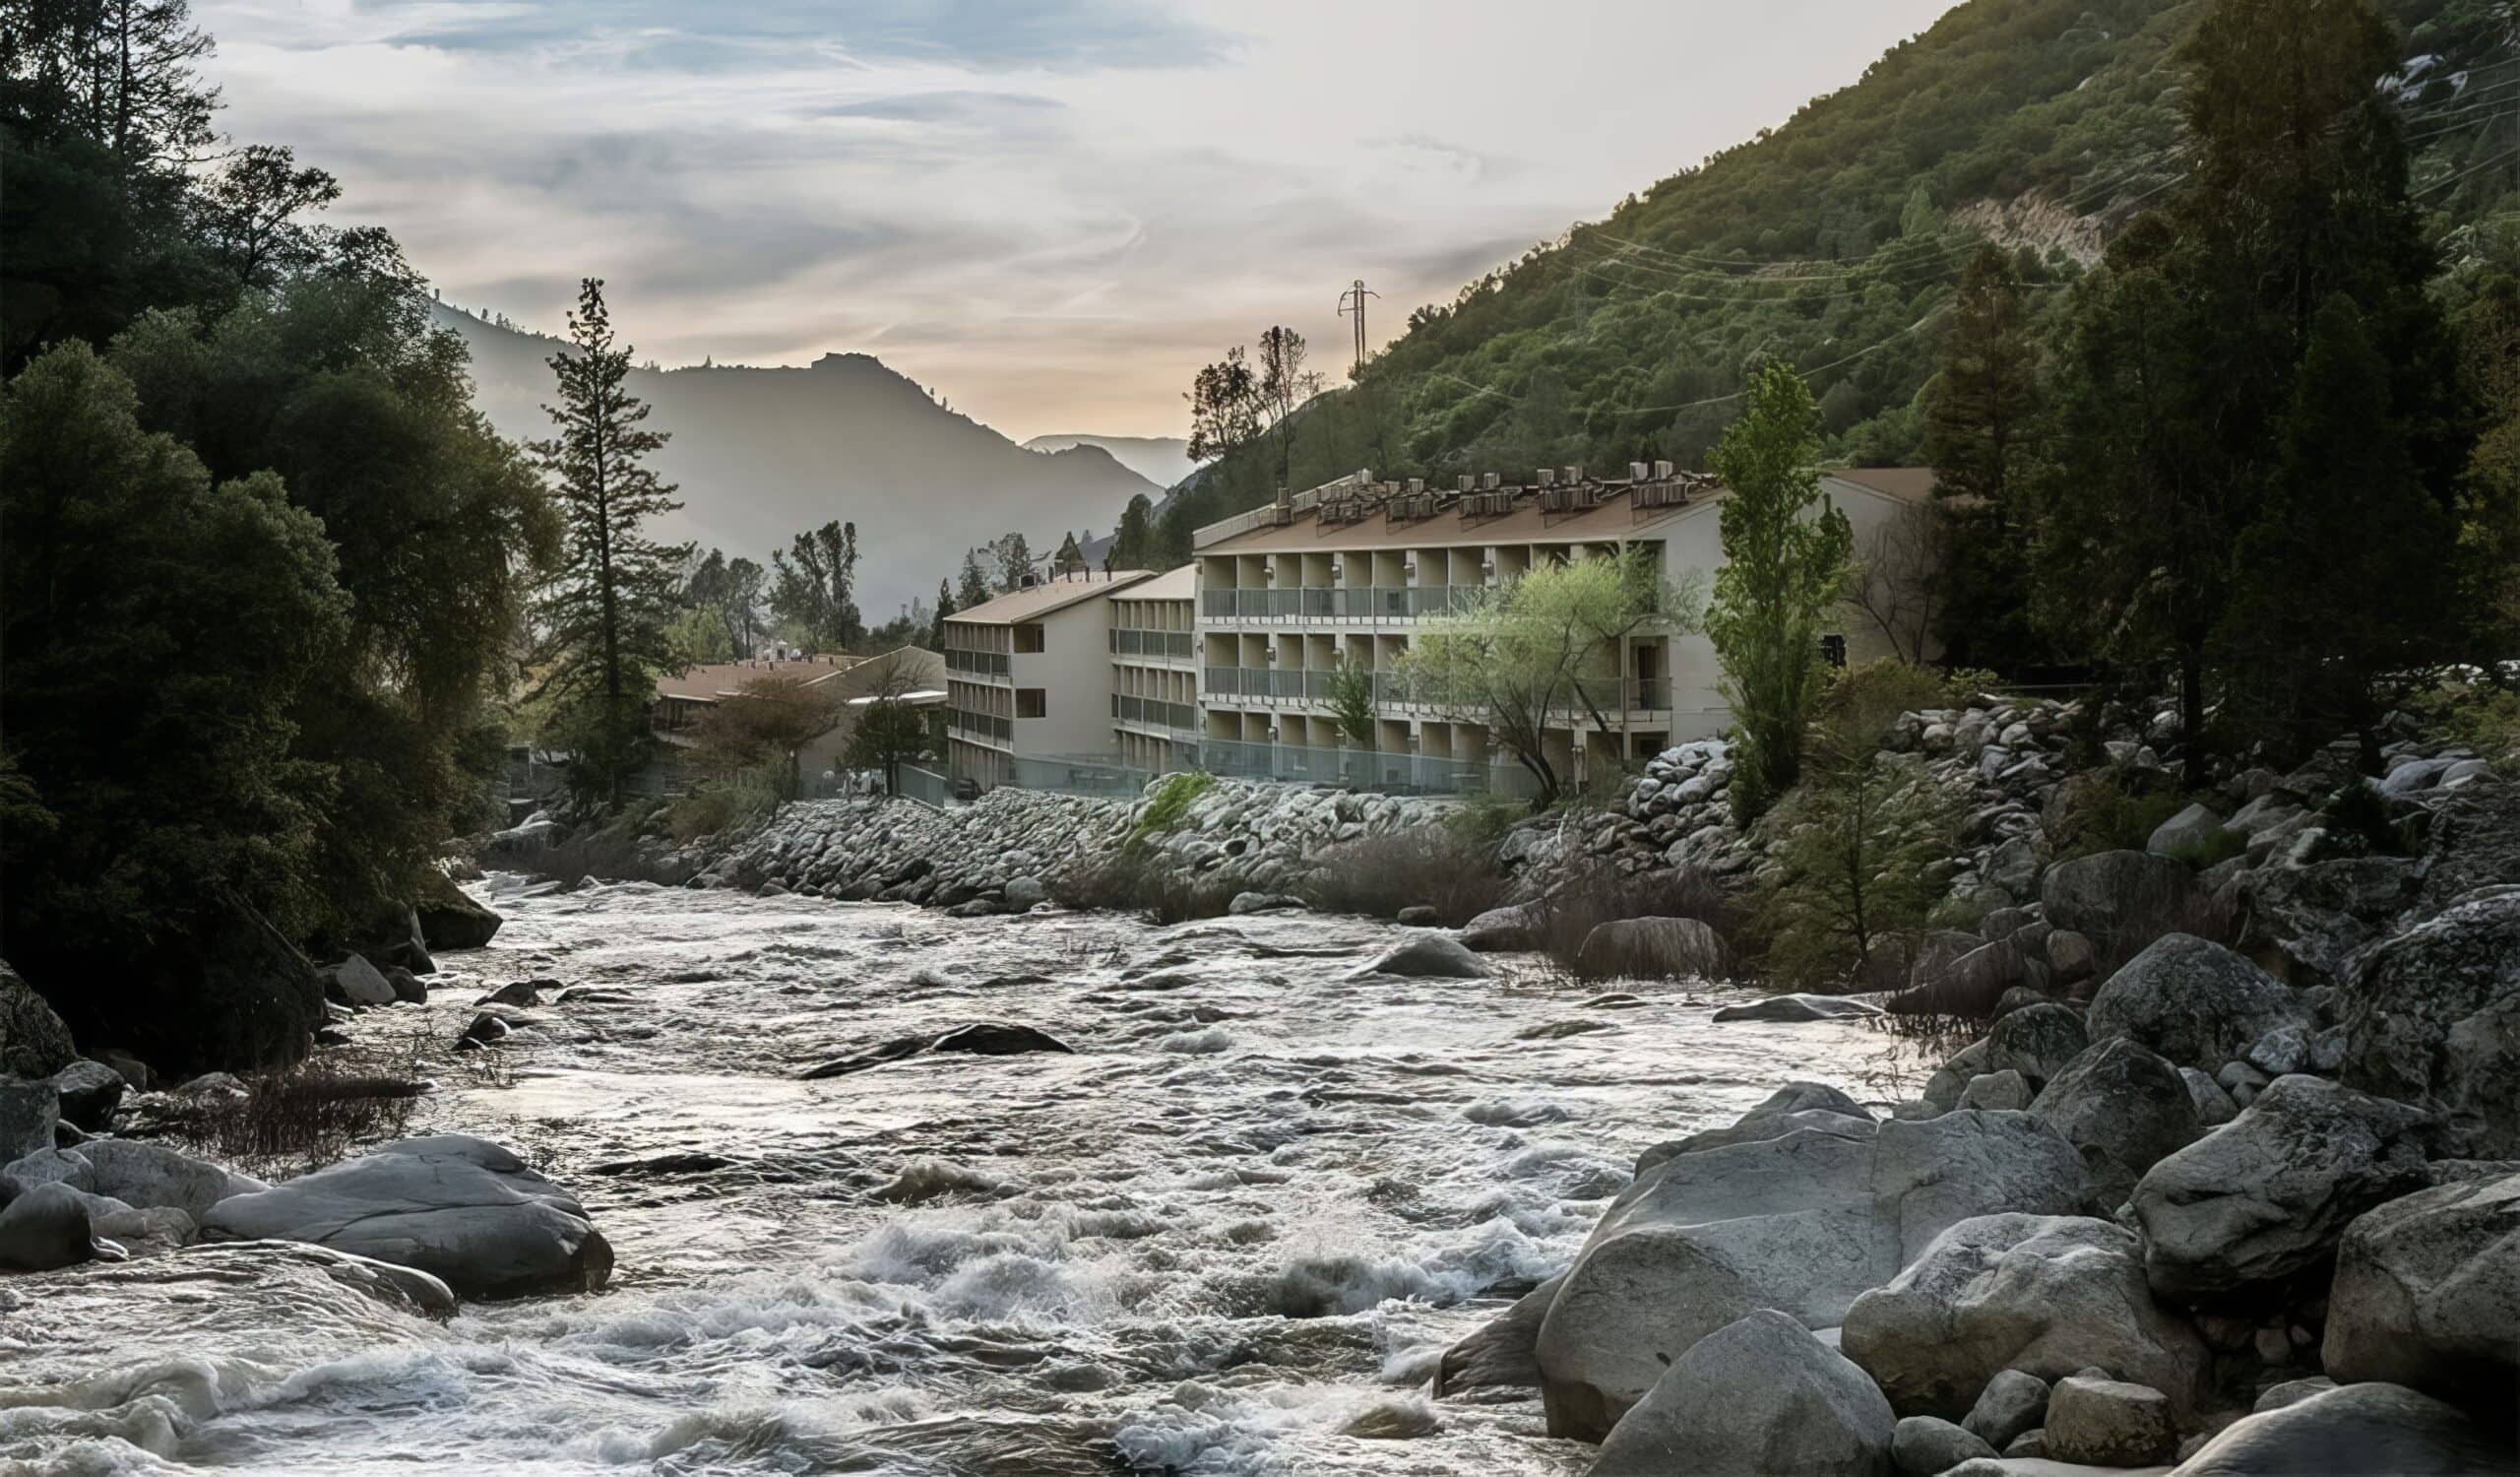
column 1051, row 212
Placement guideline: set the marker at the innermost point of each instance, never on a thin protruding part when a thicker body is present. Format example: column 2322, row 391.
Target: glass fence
column 1396, row 773
column 1353, row 603
column 926, row 786
column 1135, row 643
column 1181, row 718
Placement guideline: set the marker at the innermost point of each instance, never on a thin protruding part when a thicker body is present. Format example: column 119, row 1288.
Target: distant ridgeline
column 1834, row 243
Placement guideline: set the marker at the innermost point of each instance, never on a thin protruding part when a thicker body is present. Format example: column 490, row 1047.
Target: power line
column 1357, row 295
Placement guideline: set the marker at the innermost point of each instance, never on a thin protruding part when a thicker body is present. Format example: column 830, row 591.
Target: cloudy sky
column 1052, row 211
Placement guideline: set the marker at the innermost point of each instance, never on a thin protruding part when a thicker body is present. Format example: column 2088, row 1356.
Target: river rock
column 1927, row 1445
column 1798, row 1008
column 2184, row 835
column 88, row 1092
column 2014, row 1401
column 2428, row 1294
column 2433, row 1016
column 1500, row 1353
column 1670, row 948
column 1758, row 1397
column 1806, row 1224
column 2110, row 1423
column 1507, row 930
column 1024, row 894
column 34, row 1043
column 2194, row 1001
column 1427, row 956
column 1792, row 1107
column 2352, row 1429
column 27, row 1112
column 2269, row 1193
column 979, row 1039
column 2124, row 1109
column 449, row 918
column 355, row 982
column 138, row 1173
column 460, row 1208
column 45, row 1228
column 2036, row 1041
column 2045, row 1294
column 2117, row 895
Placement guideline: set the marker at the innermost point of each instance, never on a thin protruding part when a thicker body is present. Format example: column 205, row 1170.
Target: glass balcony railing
column 1368, row 602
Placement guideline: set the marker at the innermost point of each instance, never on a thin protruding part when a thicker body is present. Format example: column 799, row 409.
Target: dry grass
column 1593, row 893
column 1131, row 880
column 1434, row 866
column 299, row 1118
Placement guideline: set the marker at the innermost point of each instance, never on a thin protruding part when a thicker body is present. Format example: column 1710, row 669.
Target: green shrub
column 2219, row 846
column 1859, row 842
column 725, row 804
column 1171, row 804
column 2358, row 823
column 2100, row 814
column 2480, row 716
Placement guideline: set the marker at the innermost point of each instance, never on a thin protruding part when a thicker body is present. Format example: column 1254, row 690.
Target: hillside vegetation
column 1834, row 243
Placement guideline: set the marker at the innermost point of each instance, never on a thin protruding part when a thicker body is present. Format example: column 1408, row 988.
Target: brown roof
column 1054, row 594
column 1178, row 584
column 715, row 679
column 1612, row 519
column 1907, row 483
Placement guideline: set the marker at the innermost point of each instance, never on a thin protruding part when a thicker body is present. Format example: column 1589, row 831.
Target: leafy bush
column 1593, row 892
column 2482, row 717
column 1861, row 840
column 1486, row 819
column 2100, row 813
column 1171, row 804
column 2219, row 846
column 2358, row 823
column 729, row 802
column 1435, row 864
column 1131, row 881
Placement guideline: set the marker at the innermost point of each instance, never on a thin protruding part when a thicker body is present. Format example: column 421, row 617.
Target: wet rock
column 1507, row 930
column 979, row 1039
column 2014, row 1401
column 2071, row 956
column 2428, row 1294
column 2290, row 1392
column 1246, row 903
column 27, row 1112
column 449, row 918
column 1804, row 1224
column 1427, row 956
column 1798, row 1007
column 1671, row 949
column 2118, row 894
column 142, row 1174
column 2433, row 1017
column 2194, row 1001
column 1758, row 1397
column 518, row 993
column 2124, row 1109
column 1926, row 1447
column 1417, row 916
column 43, row 1229
column 2036, row 1041
column 460, row 1208
column 1500, row 1353
column 409, row 988
column 1792, row 1107
column 1972, row 984
column 2043, row 1294
column 355, row 982
column 2108, row 1423
column 34, row 1043
column 2269, row 1194
column 484, row 1029
column 1024, row 894
column 2354, row 1427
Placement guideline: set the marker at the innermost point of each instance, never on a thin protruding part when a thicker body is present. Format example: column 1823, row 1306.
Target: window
column 1833, row 649
column 1029, row 637
column 1029, row 703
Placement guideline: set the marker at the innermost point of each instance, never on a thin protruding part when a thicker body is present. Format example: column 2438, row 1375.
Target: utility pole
column 1352, row 301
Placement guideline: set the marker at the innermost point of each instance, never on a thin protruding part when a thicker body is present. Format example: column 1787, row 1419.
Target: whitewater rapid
column 1229, row 1235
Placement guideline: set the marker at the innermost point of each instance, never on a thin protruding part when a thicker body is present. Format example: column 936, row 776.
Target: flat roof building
column 1029, row 681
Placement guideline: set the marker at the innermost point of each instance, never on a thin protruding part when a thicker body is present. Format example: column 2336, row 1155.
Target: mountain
column 762, row 454
column 1833, row 242
column 1161, row 460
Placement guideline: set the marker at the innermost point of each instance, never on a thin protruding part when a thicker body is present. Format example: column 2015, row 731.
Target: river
column 1229, row 1234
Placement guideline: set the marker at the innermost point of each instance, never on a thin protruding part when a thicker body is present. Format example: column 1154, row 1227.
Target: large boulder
column 462, row 1210
column 1507, row 930
column 2428, row 1294
column 88, row 1092
column 2110, row 1423
column 2125, row 1109
column 1759, row 1397
column 355, row 982
column 2269, row 1194
column 2036, row 1041
column 230, row 992
column 449, row 918
column 2352, row 1429
column 2118, row 896
column 2194, row 1001
column 2186, row 835
column 27, row 1112
column 1500, row 1353
column 1674, row 948
column 2045, row 1294
column 2310, row 922
column 45, row 1228
column 1804, row 1224
column 1427, row 956
column 1798, row 1008
column 2433, row 1016
column 144, row 1175
column 1973, row 984
column 34, row 1043
column 2473, row 843
column 1792, row 1107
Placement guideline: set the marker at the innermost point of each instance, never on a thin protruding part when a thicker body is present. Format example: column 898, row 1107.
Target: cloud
column 987, row 35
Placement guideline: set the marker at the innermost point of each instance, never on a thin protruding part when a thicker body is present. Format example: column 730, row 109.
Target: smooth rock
column 1798, row 1007
column 460, row 1208
column 1500, row 1353
column 2194, row 1001
column 355, row 982
column 1654, row 948
column 87, row 1092
column 1427, row 956
column 2003, row 1089
column 2110, row 1423
column 34, row 1043
column 2184, row 835
column 2124, row 1109
column 1024, row 894
column 2117, row 895
column 1758, row 1397
column 2014, row 1401
column 2035, row 1042
column 1926, row 1445
column 2426, row 1293
column 2046, row 1296
column 449, row 918
column 1507, row 930
column 2354, row 1428
column 45, row 1228
column 137, row 1173
column 2269, row 1194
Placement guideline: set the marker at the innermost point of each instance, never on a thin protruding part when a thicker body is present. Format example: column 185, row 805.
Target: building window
column 1029, row 703
column 1027, row 638
column 1833, row 649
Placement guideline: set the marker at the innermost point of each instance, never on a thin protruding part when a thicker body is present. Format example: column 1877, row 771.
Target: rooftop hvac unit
column 1488, row 481
column 1546, row 476
column 1636, row 472
column 1465, row 482
column 1661, row 472
column 1575, row 473
column 1417, row 485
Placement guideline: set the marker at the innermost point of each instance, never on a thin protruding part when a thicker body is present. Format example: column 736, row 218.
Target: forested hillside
column 1835, row 242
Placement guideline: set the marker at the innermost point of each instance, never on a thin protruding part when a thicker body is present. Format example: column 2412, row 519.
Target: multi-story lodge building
column 1349, row 573
column 1029, row 681
column 1155, row 720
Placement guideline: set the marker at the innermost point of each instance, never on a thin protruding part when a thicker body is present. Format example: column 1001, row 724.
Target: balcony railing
column 1316, row 686
column 1178, row 717
column 986, row 663
column 979, row 727
column 1175, row 645
column 1370, row 602
column 1400, row 773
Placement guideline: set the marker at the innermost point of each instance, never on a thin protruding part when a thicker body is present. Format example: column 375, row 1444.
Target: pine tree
column 1982, row 416
column 604, row 615
column 813, row 587
column 975, row 589
column 1129, row 541
column 1014, row 563
column 1786, row 553
column 944, row 613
